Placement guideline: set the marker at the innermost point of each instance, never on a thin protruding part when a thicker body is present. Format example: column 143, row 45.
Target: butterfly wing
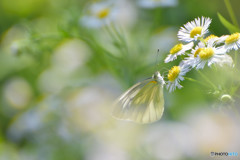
column 142, row 103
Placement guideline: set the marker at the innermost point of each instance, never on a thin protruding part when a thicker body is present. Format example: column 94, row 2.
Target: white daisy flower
column 191, row 59
column 99, row 14
column 216, row 39
column 211, row 37
column 157, row 3
column 175, row 75
column 193, row 30
column 231, row 41
column 178, row 49
column 209, row 55
column 222, row 39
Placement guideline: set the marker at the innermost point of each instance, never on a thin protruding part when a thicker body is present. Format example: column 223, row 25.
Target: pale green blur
column 59, row 79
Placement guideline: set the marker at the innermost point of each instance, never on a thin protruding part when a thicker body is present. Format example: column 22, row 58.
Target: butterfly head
column 157, row 77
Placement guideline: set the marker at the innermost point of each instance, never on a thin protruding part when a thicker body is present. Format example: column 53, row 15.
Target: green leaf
column 231, row 28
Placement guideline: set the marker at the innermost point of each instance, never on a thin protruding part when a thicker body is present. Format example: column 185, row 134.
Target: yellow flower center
column 176, row 48
column 210, row 37
column 195, row 31
column 206, row 53
column 173, row 73
column 232, row 38
column 103, row 13
column 197, row 52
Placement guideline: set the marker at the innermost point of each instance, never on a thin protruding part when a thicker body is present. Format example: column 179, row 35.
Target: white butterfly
column 143, row 102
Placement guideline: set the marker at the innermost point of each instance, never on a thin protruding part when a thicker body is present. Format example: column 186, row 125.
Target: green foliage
column 231, row 28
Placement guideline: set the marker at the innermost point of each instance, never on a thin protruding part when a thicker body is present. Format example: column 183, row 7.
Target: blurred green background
column 59, row 78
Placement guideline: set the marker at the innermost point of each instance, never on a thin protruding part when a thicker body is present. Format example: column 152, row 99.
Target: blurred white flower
column 18, row 93
column 157, row 3
column 106, row 151
column 127, row 13
column 70, row 55
column 169, row 140
column 225, row 60
column 99, row 14
column 28, row 122
column 66, row 59
column 103, row 13
column 87, row 109
column 52, row 81
column 33, row 120
column 214, row 131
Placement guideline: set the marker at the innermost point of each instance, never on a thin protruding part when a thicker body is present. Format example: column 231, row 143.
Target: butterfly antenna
column 157, row 60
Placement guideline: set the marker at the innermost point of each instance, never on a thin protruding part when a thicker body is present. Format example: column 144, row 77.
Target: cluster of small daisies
column 200, row 50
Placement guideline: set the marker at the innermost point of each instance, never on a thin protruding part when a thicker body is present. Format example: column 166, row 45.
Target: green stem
column 194, row 80
column 202, row 40
column 118, row 38
column 121, row 38
column 207, row 79
column 230, row 11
